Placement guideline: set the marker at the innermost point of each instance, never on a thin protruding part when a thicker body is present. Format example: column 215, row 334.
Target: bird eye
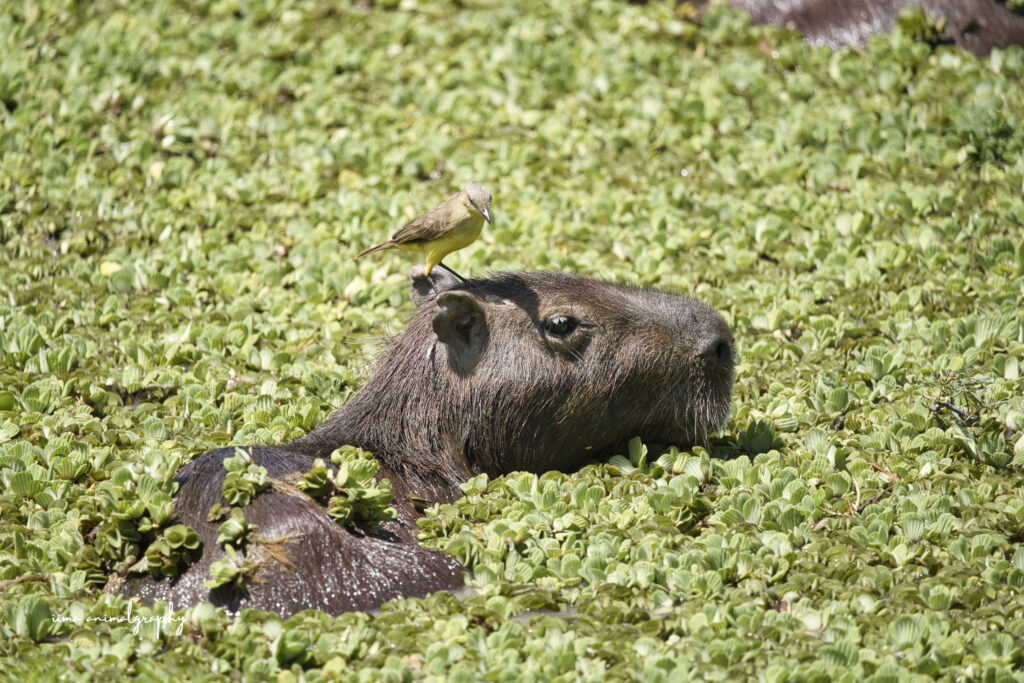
column 560, row 325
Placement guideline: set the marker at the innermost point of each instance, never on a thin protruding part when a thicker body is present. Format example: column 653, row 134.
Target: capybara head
column 538, row 371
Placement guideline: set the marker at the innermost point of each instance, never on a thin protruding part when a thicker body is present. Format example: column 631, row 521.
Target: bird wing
column 429, row 226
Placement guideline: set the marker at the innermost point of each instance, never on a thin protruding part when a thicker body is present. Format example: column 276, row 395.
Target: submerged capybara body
column 524, row 371
column 975, row 25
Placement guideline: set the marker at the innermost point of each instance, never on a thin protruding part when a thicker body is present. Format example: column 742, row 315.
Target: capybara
column 519, row 371
column 975, row 25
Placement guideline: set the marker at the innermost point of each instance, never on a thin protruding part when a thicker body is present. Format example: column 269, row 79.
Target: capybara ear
column 461, row 324
column 425, row 287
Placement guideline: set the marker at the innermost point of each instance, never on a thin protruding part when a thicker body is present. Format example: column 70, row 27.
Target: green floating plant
column 132, row 510
column 30, row 617
column 232, row 570
column 317, row 483
column 174, row 547
column 355, row 495
column 244, row 479
column 235, row 531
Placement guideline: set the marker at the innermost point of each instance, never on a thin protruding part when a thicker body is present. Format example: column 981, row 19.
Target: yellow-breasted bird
column 452, row 224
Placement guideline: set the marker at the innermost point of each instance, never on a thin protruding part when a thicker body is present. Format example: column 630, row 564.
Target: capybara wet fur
column 519, row 371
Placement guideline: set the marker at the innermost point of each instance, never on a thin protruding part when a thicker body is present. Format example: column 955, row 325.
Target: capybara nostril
column 716, row 347
column 722, row 350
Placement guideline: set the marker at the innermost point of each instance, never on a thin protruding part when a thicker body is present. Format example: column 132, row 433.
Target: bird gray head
column 480, row 198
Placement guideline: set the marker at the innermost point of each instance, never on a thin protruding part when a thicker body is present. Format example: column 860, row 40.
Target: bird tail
column 379, row 247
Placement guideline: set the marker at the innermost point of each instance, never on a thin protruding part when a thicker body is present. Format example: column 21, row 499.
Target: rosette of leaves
column 356, row 496
column 175, row 546
column 244, row 480
column 231, row 570
column 132, row 509
column 31, row 617
column 234, row 533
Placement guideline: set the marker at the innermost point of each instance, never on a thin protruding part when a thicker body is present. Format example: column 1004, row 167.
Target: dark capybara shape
column 328, row 566
column 975, row 25
column 520, row 371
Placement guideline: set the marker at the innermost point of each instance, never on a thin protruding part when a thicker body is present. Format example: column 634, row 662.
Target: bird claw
column 428, row 287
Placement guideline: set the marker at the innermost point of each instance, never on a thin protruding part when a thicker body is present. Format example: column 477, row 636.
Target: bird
column 451, row 225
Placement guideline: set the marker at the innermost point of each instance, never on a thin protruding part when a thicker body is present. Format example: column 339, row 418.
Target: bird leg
column 441, row 265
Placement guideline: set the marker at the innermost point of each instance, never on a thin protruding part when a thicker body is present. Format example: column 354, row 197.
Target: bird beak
column 487, row 215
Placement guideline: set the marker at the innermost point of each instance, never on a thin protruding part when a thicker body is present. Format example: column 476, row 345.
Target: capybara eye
column 560, row 325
